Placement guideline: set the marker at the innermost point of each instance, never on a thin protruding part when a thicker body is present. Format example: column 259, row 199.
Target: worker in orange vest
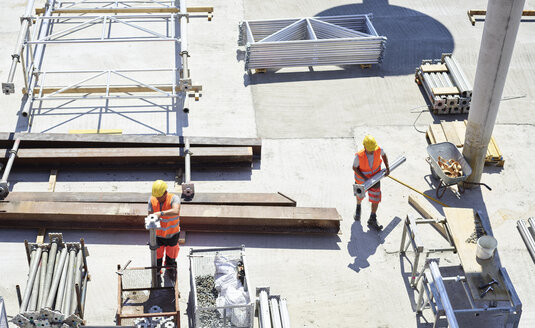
column 167, row 207
column 366, row 164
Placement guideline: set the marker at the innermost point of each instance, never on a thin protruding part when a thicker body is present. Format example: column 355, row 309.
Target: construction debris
column 57, row 284
column 445, row 84
column 313, row 41
column 450, row 167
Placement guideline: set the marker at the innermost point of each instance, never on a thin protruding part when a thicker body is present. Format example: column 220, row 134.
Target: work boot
column 372, row 222
column 356, row 216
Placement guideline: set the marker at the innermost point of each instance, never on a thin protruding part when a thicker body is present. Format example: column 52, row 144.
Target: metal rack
column 312, row 41
column 133, row 21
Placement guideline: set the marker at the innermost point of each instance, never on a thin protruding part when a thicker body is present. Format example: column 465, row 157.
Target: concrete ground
column 312, row 123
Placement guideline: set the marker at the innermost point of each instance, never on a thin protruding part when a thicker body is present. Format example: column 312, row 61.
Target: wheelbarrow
column 448, row 151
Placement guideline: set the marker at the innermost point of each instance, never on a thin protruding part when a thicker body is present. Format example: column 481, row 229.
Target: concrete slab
column 313, row 123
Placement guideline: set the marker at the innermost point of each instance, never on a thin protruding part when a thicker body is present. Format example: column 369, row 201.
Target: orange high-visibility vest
column 364, row 165
column 170, row 225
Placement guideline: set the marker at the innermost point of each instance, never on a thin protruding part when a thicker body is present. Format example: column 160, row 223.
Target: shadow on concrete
column 363, row 244
column 412, row 36
column 278, row 241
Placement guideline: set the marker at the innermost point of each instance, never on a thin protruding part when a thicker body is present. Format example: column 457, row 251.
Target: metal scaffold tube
column 35, row 258
column 50, row 269
column 4, row 188
column 446, row 304
column 9, row 87
column 263, row 313
column 275, row 313
column 42, row 278
column 63, row 281
column 285, row 315
column 77, row 281
column 35, row 291
column 56, row 280
column 361, row 189
column 527, row 236
column 69, row 286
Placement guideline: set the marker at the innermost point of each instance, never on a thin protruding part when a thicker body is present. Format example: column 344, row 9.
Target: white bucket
column 485, row 247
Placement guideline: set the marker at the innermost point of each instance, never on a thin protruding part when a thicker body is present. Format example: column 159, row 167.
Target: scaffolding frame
column 428, row 281
column 58, row 20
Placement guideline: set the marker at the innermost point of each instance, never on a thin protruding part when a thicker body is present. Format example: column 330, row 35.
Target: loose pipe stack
column 527, row 235
column 272, row 310
column 446, row 85
column 56, row 286
column 313, row 41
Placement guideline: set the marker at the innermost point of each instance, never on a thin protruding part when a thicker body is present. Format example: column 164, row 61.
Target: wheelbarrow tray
column 448, row 151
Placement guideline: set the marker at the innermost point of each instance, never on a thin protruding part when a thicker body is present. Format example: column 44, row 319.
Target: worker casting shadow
column 363, row 244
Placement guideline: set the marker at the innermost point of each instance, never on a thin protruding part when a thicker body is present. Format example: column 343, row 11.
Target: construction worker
column 167, row 207
column 366, row 164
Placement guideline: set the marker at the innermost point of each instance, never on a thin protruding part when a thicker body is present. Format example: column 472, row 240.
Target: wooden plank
column 145, row 156
column 52, row 180
column 450, row 133
column 101, row 131
column 65, row 140
column 460, row 130
column 432, row 68
column 182, row 237
column 428, row 213
column 201, row 218
column 444, row 91
column 250, row 199
column 40, row 236
column 438, row 133
column 478, row 272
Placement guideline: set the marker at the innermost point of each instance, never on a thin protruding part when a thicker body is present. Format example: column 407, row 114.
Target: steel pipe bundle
column 51, row 295
column 446, row 85
column 527, row 236
column 313, row 41
column 272, row 310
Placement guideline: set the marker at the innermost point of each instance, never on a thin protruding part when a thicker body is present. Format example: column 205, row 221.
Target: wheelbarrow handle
column 479, row 184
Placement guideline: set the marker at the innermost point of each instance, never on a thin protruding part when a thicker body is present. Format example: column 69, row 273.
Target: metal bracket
column 188, row 191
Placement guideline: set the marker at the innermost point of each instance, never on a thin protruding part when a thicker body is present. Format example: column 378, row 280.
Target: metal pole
column 528, row 238
column 187, row 161
column 275, row 313
column 185, row 80
column 36, row 256
column 532, row 224
column 62, row 282
column 361, row 189
column 37, row 61
column 446, row 304
column 35, row 291
column 285, row 316
column 55, row 281
column 26, row 20
column 4, row 189
column 263, row 313
column 77, row 281
column 50, row 269
column 42, row 279
column 499, row 35
column 82, row 297
column 69, row 286
column 152, row 222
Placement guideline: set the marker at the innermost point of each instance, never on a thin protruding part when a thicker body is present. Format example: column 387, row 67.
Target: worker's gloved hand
column 387, row 172
column 158, row 214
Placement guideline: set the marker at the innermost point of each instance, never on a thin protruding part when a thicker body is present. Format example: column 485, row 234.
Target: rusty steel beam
column 148, row 157
column 201, row 218
column 66, row 140
column 251, row 199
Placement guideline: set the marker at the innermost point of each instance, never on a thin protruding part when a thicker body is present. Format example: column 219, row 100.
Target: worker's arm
column 385, row 160
column 357, row 170
column 174, row 211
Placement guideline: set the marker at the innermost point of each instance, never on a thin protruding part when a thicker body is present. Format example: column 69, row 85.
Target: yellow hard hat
column 369, row 143
column 159, row 187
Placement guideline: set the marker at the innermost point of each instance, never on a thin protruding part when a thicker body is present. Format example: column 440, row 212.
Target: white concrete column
column 499, row 35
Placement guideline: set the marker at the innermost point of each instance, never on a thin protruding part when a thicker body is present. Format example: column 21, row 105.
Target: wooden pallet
column 454, row 132
column 363, row 66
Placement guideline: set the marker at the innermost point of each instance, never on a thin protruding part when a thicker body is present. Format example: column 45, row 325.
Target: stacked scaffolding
column 313, row 41
column 445, row 84
column 57, row 284
column 133, row 21
column 272, row 310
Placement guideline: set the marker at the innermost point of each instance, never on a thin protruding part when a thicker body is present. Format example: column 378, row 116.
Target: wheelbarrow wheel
column 441, row 189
